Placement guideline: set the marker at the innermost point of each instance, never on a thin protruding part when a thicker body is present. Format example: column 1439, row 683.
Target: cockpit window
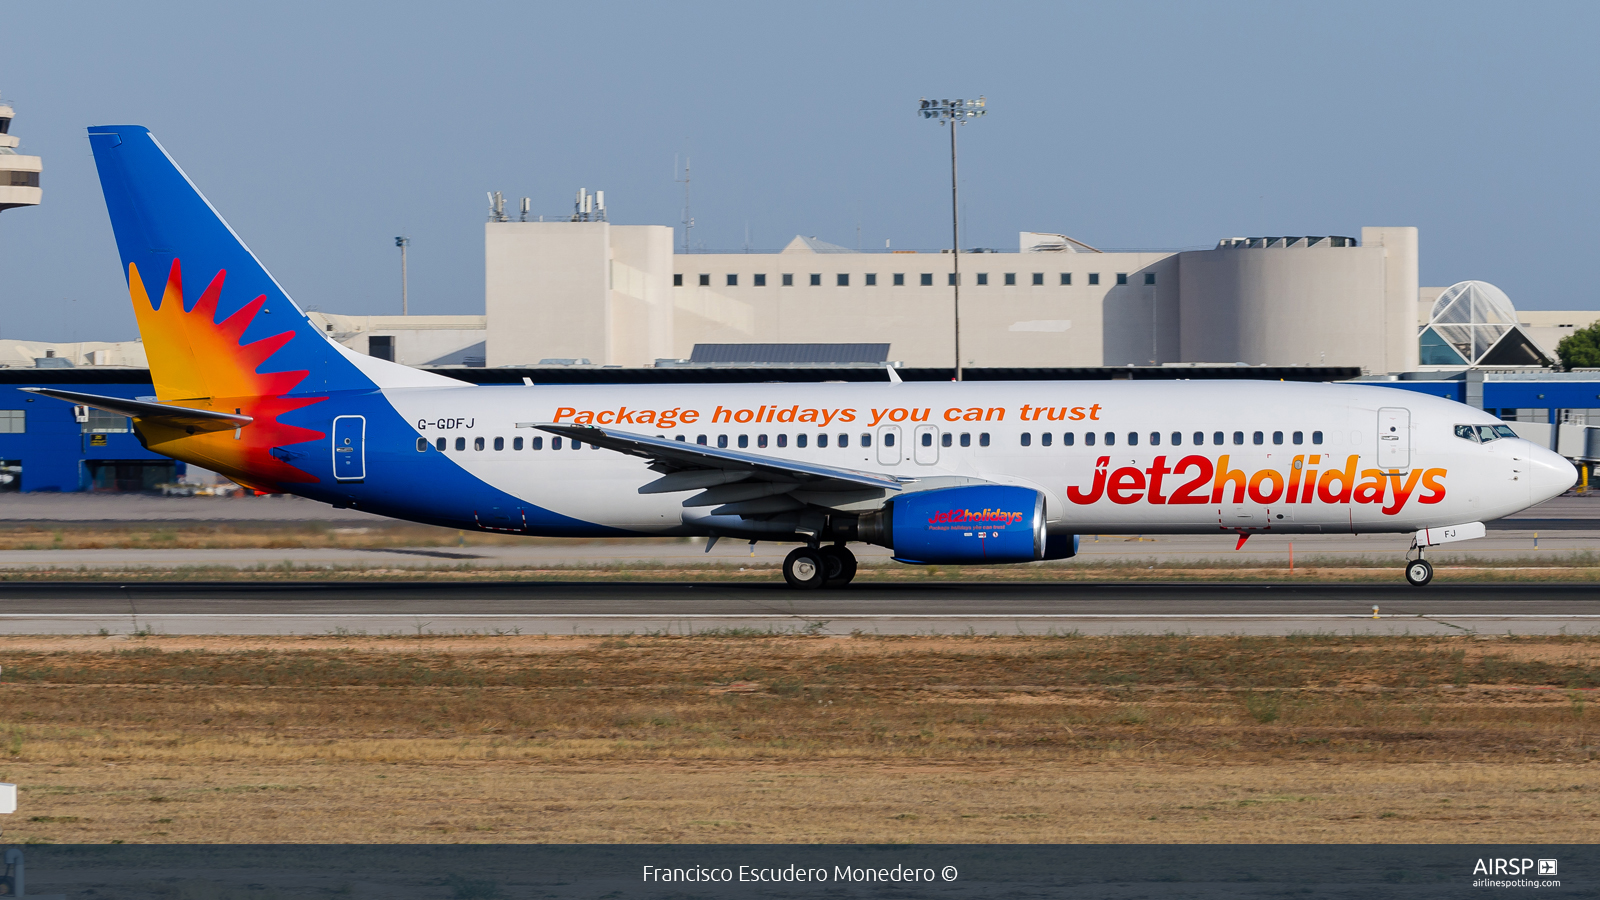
column 1504, row 431
column 1467, row 432
column 1487, row 433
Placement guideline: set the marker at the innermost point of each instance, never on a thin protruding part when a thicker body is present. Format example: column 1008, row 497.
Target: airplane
column 938, row 472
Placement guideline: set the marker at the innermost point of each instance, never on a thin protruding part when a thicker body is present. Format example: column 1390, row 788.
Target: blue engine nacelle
column 974, row 524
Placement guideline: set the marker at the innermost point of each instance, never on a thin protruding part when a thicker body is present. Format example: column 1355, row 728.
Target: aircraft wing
column 177, row 416
column 738, row 483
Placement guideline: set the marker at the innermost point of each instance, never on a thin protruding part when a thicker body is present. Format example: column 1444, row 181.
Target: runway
column 677, row 608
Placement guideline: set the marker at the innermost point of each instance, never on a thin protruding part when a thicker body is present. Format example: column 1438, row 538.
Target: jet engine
column 987, row 523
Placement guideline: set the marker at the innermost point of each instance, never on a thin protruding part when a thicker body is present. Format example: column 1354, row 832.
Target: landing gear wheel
column 804, row 568
column 839, row 564
column 1419, row 572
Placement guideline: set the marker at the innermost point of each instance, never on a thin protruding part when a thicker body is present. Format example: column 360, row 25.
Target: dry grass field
column 775, row 739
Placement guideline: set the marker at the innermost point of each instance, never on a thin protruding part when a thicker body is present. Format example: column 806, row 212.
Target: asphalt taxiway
column 677, row 608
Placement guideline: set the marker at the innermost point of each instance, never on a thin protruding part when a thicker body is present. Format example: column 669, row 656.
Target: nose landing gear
column 1419, row 572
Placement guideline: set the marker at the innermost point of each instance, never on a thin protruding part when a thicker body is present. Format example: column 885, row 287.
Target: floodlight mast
column 953, row 113
column 405, row 306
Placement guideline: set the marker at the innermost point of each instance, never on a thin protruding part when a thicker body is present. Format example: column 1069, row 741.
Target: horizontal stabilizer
column 177, row 416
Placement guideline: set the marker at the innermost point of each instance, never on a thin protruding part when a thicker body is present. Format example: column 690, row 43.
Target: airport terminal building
column 616, row 295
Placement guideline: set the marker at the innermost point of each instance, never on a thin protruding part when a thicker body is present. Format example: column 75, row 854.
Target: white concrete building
column 411, row 340
column 19, row 175
column 579, row 290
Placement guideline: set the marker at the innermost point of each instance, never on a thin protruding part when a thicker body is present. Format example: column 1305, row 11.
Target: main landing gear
column 809, row 568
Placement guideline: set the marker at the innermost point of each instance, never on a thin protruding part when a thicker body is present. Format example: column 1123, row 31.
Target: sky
column 323, row 130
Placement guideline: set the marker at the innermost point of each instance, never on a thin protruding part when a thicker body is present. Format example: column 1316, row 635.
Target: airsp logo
column 1502, row 866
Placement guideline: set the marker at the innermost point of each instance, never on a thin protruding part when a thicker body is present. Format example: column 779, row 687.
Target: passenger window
column 422, row 445
column 1027, row 439
column 499, row 443
column 799, row 440
column 1045, row 439
column 1299, row 437
column 1238, row 437
column 440, row 444
column 1216, row 438
column 822, row 440
column 516, row 443
column 966, row 439
column 537, row 443
column 946, row 439
column 983, row 439
column 1155, row 438
column 1133, row 439
column 1111, row 438
column 722, row 441
column 1088, row 439
column 1316, row 437
column 680, row 439
column 1067, row 439
column 477, row 443
column 1200, row 439
column 927, row 439
column 701, row 440
column 761, row 440
column 783, row 440
column 744, row 441
column 1258, row 438
column 577, row 444
column 866, row 440
column 888, row 439
column 555, row 443
column 1277, row 437
column 1177, row 439
column 844, row 440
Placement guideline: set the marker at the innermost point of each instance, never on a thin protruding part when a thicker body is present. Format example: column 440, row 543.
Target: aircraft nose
column 1549, row 474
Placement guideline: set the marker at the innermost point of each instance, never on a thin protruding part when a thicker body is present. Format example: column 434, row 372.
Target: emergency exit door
column 888, row 445
column 1394, row 438
column 349, row 448
column 926, row 449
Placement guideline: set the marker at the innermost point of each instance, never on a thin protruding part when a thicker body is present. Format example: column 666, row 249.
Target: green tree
column 1581, row 349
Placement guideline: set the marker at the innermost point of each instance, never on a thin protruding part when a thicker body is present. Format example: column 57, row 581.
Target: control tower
column 19, row 175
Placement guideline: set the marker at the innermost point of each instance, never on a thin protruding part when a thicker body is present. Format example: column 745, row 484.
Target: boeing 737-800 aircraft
column 944, row 473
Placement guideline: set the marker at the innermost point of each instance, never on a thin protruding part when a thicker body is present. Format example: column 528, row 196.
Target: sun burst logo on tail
column 198, row 361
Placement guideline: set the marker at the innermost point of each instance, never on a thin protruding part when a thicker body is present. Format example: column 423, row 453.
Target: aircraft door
column 1394, row 438
column 889, row 445
column 349, row 448
column 925, row 448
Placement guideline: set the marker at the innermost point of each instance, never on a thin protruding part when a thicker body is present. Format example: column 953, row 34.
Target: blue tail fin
column 229, row 324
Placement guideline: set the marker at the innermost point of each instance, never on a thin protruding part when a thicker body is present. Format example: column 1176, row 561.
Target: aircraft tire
column 804, row 569
column 840, row 565
column 1419, row 572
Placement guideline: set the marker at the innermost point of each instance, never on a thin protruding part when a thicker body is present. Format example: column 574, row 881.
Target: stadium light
column 953, row 113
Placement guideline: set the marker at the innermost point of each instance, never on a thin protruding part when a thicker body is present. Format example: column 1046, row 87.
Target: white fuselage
column 1110, row 457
